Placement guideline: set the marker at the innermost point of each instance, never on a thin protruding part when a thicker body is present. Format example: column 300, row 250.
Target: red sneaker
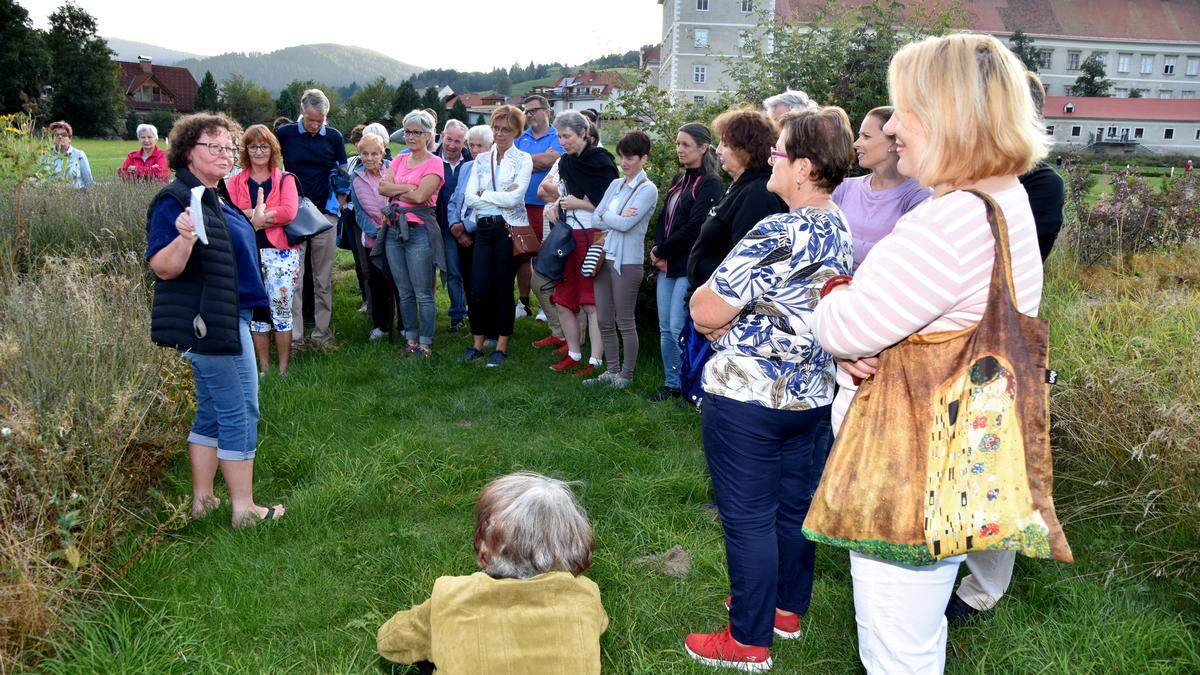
column 720, row 649
column 787, row 626
column 561, row 350
column 584, row 371
column 565, row 364
column 550, row 341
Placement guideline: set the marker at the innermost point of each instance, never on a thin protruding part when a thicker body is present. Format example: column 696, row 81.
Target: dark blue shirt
column 251, row 292
column 450, row 177
column 260, row 236
column 312, row 157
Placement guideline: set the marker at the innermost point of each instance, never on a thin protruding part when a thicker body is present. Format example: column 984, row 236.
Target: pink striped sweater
column 930, row 274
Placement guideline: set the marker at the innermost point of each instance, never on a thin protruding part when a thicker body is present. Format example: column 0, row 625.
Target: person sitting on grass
column 529, row 610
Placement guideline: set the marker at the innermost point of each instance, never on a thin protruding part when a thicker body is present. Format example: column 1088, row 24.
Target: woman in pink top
column 269, row 199
column 873, row 203
column 413, row 186
column 932, row 274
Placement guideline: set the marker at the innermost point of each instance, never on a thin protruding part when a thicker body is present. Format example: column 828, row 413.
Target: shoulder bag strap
column 1002, row 277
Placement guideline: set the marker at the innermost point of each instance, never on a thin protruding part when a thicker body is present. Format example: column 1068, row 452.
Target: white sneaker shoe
column 376, row 335
column 521, row 311
column 541, row 316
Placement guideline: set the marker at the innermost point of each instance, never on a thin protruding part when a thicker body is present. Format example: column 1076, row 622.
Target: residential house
column 583, row 89
column 148, row 87
column 1124, row 124
column 479, row 106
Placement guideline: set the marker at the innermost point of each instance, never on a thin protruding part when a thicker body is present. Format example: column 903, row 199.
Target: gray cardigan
column 626, row 240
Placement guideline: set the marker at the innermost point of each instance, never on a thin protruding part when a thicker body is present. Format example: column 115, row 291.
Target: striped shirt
column 931, row 274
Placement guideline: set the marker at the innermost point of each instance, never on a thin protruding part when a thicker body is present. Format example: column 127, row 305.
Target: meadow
column 379, row 459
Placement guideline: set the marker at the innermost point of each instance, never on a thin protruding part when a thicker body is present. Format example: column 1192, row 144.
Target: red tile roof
column 1144, row 109
column 1168, row 20
column 178, row 82
column 475, row 100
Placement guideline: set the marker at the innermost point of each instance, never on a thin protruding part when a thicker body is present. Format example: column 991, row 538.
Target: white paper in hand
column 197, row 212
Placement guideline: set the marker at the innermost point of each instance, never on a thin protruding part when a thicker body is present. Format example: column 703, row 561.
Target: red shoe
column 720, row 649
column 584, row 371
column 550, row 341
column 565, row 364
column 561, row 350
column 787, row 626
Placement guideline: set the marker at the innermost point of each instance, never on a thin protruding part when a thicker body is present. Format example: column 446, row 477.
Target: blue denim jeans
column 411, row 263
column 453, row 277
column 671, row 314
column 227, row 399
column 765, row 466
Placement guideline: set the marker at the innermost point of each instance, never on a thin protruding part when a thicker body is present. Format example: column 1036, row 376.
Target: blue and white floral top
column 774, row 275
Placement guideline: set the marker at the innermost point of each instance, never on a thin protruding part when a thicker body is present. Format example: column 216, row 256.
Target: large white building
column 1152, row 46
column 1124, row 125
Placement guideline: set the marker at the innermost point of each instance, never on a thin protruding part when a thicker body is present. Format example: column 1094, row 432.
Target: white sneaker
column 376, row 335
column 541, row 316
column 521, row 311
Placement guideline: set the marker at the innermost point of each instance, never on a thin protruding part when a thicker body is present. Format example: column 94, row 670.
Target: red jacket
column 283, row 199
column 153, row 168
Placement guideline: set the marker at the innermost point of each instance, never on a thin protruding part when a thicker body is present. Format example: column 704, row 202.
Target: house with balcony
column 1124, row 125
column 149, row 88
column 582, row 90
column 479, row 105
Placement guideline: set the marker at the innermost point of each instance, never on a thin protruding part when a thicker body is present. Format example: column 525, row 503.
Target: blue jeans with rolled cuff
column 227, row 398
column 411, row 263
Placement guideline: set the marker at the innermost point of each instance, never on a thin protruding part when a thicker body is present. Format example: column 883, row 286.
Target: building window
column 702, row 5
column 1188, row 93
column 1102, row 57
column 1198, row 134
column 1168, row 134
column 1112, row 132
column 747, row 6
column 1142, row 92
column 1072, row 60
column 1147, row 64
column 1138, row 132
column 1050, row 129
column 699, row 74
column 1076, row 131
column 1122, row 93
column 1169, row 65
column 1125, row 134
column 698, row 100
column 1164, row 94
column 1123, row 62
column 701, row 37
column 1193, row 65
column 1068, row 90
column 1044, row 57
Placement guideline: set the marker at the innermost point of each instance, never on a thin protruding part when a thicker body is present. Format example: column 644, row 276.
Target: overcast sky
column 461, row 34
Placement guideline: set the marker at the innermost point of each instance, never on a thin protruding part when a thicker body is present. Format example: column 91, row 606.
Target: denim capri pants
column 227, row 399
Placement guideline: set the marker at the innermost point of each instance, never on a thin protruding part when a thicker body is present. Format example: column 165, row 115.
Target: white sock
column 595, row 361
column 575, row 356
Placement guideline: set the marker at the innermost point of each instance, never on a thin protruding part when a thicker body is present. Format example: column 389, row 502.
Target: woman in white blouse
column 496, row 191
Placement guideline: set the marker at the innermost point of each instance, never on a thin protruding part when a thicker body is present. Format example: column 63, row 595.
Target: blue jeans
column 454, row 278
column 671, row 313
column 411, row 263
column 227, row 399
column 765, row 466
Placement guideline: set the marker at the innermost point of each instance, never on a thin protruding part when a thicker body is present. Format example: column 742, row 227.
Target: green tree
column 372, row 103
column 430, row 99
column 405, row 100
column 288, row 103
column 208, row 97
column 839, row 56
column 1092, row 80
column 504, row 84
column 246, row 102
column 24, row 60
column 1135, row 93
column 1022, row 45
column 131, row 124
column 83, row 74
column 459, row 111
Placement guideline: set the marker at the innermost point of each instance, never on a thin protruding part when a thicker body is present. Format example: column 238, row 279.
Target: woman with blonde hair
column 964, row 120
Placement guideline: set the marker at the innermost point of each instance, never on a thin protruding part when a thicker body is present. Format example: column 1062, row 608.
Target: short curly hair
column 187, row 131
column 822, row 136
column 749, row 133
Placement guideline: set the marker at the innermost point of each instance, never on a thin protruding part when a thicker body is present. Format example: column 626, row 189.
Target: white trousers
column 901, row 613
column 991, row 572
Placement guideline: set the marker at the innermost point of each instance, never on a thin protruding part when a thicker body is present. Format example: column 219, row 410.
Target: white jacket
column 483, row 195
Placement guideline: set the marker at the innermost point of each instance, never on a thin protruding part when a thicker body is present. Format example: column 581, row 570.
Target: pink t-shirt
column 401, row 173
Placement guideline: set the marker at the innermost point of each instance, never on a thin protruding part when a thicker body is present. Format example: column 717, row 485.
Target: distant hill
column 129, row 50
column 336, row 65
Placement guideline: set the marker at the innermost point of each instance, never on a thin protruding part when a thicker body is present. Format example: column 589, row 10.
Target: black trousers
column 385, row 305
column 493, row 274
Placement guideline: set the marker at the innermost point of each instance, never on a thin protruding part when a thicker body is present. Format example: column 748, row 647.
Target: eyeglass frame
column 775, row 154
column 216, row 149
column 257, row 148
column 414, row 132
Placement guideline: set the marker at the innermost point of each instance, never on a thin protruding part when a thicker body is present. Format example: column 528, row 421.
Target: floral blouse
column 774, row 276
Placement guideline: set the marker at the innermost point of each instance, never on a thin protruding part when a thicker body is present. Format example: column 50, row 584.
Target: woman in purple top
column 873, row 203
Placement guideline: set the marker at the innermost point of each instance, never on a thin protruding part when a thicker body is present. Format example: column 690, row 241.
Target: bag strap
column 299, row 187
column 1002, row 277
column 630, row 196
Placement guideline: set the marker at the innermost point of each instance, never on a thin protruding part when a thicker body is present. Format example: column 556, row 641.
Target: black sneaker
column 663, row 394
column 471, row 354
column 456, row 325
column 959, row 613
column 496, row 358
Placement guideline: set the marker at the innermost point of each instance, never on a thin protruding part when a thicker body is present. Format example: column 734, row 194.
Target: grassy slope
column 380, row 459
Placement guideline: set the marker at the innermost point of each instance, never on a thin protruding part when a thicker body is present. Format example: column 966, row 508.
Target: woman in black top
column 692, row 194
column 747, row 140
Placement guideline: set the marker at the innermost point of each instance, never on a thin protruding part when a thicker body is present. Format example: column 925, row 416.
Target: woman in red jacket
column 147, row 163
column 269, row 199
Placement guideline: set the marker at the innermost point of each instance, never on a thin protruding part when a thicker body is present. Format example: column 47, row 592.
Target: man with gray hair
column 315, row 152
column 791, row 100
column 454, row 158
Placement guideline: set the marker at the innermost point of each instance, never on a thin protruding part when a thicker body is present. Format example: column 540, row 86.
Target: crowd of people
column 774, row 297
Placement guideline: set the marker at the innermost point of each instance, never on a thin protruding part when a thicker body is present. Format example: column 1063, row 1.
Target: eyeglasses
column 502, row 130
column 533, row 110
column 775, row 154
column 413, row 132
column 258, row 149
column 216, row 149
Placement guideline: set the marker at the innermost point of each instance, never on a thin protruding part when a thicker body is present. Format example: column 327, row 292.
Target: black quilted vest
column 198, row 310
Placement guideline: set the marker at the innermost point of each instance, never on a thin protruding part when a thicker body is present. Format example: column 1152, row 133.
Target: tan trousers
column 320, row 251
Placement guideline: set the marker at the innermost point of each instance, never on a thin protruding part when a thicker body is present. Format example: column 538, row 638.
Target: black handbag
column 551, row 260
column 309, row 221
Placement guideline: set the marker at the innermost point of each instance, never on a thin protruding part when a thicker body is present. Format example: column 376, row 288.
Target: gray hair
column 527, row 524
column 574, row 121
column 481, row 133
column 454, row 124
column 376, row 129
column 794, row 99
column 315, row 99
column 147, row 127
column 423, row 120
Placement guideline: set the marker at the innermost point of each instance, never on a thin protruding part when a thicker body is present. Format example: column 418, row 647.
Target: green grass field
column 379, row 460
